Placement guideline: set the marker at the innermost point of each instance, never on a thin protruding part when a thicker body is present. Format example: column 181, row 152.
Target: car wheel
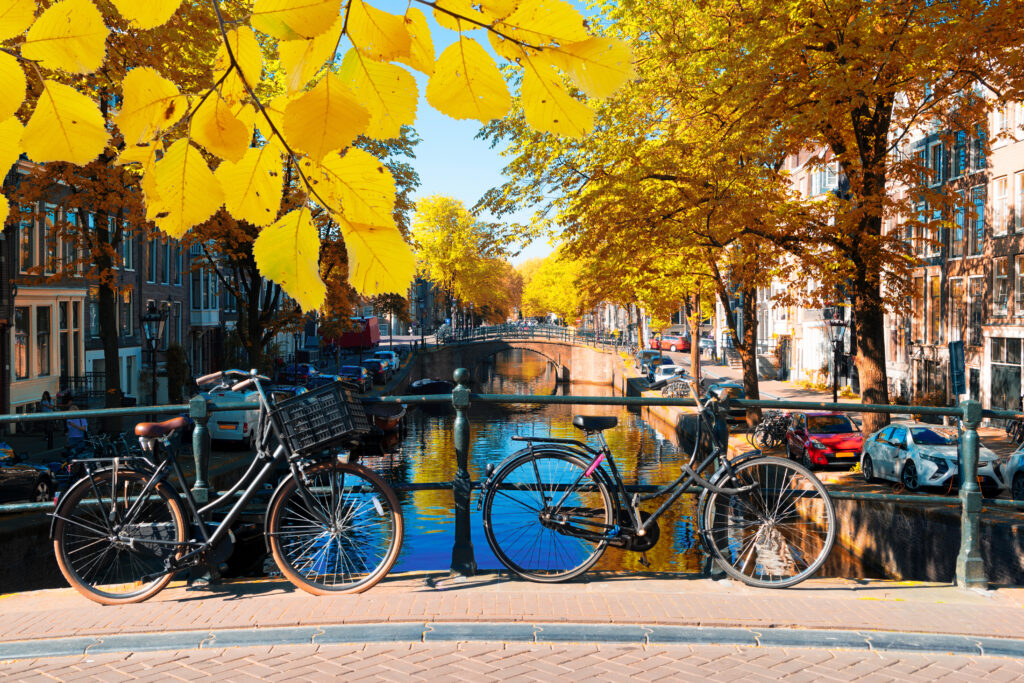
column 1017, row 487
column 908, row 477
column 806, row 461
column 672, row 348
column 867, row 468
column 43, row 492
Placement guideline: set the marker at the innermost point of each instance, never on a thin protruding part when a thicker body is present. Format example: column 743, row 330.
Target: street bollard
column 200, row 414
column 463, row 562
column 970, row 568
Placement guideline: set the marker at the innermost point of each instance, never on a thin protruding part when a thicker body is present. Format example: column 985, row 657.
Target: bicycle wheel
column 776, row 535
column 543, row 517
column 117, row 572
column 345, row 539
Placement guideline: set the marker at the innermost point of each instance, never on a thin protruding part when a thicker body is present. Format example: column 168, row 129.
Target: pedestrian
column 78, row 428
column 46, row 406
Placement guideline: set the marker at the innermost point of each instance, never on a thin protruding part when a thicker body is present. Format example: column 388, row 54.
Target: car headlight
column 935, row 460
column 817, row 444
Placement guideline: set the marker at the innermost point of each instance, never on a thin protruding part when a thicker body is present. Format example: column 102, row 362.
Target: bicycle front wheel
column 342, row 534
column 109, row 552
column 776, row 535
column 545, row 519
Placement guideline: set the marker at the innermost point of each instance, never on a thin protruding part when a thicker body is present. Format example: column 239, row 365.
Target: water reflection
column 425, row 454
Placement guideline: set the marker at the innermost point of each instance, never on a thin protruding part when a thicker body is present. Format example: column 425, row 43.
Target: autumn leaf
column 288, row 252
column 151, row 104
column 387, row 91
column 421, row 47
column 303, row 59
column 540, row 23
column 146, row 14
column 15, row 17
column 326, row 118
column 597, row 66
column 189, row 192
column 13, row 78
column 377, row 34
column 218, row 130
column 546, row 105
column 69, row 36
column 65, row 126
column 252, row 187
column 294, row 19
column 379, row 259
column 358, row 184
column 248, row 56
column 467, row 85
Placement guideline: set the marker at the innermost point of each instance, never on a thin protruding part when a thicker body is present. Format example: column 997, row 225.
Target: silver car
column 918, row 456
column 1014, row 473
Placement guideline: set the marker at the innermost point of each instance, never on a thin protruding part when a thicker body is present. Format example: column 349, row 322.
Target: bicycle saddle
column 152, row 430
column 593, row 423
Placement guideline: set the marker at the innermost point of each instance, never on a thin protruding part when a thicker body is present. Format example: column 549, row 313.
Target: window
column 127, row 246
column 959, row 165
column 921, row 216
column 977, row 302
column 1018, row 201
column 127, row 312
column 165, row 263
column 43, row 340
column 999, row 206
column 21, row 332
column 176, row 264
column 935, row 236
column 151, row 261
column 69, row 252
column 76, row 335
column 957, row 308
column 26, row 240
column 919, row 310
column 94, row 318
column 1018, row 298
column 956, row 235
column 1000, row 286
column 63, row 339
column 50, row 240
column 1002, row 118
column 935, row 311
column 935, row 163
column 197, row 289
column 976, row 238
column 978, row 149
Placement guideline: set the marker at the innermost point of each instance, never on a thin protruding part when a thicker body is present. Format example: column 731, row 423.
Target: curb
column 440, row 632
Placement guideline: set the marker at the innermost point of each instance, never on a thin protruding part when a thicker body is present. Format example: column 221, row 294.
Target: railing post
column 970, row 568
column 463, row 561
column 200, row 414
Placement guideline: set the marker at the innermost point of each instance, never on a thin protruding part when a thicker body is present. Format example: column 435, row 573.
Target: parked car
column 648, row 365
column 20, row 480
column 359, row 376
column 297, row 373
column 378, row 369
column 821, row 438
column 391, row 357
column 671, row 342
column 1014, row 473
column 659, row 374
column 730, row 390
column 642, row 356
column 706, row 343
column 919, row 456
column 238, row 426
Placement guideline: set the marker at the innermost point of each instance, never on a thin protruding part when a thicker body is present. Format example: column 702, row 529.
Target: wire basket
column 321, row 418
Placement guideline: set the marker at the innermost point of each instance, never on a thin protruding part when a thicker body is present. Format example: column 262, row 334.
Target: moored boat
column 387, row 416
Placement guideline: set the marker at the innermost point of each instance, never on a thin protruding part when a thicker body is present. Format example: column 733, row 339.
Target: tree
column 553, row 288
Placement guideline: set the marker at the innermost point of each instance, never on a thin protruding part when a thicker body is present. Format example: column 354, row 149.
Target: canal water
column 425, row 453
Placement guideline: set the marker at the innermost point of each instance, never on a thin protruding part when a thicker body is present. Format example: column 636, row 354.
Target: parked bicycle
column 676, row 388
column 770, row 431
column 551, row 510
column 126, row 528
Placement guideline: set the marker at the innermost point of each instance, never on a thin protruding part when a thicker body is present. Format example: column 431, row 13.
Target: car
column 378, row 369
column 238, row 426
column 357, row 375
column 1014, row 473
column 297, row 373
column 661, row 373
column 823, row 438
column 20, row 480
column 727, row 391
column 648, row 365
column 706, row 343
column 926, row 456
column 671, row 342
column 391, row 357
column 642, row 356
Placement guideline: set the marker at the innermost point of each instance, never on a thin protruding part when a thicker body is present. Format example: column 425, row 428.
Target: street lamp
column 836, row 329
column 153, row 322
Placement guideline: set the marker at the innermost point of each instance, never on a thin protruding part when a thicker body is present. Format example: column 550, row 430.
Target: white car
column 1013, row 473
column 235, row 425
column 918, row 456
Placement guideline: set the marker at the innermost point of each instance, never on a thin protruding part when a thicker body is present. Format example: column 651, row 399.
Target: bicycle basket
column 321, row 418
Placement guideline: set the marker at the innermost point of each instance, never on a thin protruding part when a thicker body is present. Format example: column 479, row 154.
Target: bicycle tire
column 769, row 525
column 512, row 523
column 365, row 535
column 82, row 546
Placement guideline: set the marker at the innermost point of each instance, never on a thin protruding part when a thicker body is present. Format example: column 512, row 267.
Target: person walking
column 78, row 428
column 46, row 406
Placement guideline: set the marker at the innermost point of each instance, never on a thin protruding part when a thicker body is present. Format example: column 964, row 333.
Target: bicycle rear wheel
column 92, row 512
column 545, row 519
column 345, row 538
column 776, row 535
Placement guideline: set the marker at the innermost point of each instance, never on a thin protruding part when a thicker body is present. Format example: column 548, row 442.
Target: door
column 897, row 452
column 880, row 452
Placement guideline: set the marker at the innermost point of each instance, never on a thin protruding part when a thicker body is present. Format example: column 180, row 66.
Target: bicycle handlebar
column 209, row 378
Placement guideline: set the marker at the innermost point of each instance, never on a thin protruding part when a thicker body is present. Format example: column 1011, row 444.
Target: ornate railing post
column 463, row 561
column 200, row 414
column 970, row 568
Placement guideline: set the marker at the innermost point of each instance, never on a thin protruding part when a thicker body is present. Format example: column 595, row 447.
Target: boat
column 432, row 387
column 387, row 416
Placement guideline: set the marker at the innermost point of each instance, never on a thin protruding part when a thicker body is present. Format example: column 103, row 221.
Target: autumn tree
column 553, row 288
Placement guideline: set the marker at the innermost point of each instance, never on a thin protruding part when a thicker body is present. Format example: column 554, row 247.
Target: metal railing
column 518, row 331
column 970, row 570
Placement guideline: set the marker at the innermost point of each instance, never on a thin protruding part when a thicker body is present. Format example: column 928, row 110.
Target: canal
column 425, row 453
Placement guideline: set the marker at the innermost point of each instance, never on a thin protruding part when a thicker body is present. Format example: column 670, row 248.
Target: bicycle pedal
column 644, row 561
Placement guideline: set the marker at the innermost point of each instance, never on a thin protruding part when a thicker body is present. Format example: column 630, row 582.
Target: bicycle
column 124, row 530
column 552, row 509
column 770, row 431
column 676, row 388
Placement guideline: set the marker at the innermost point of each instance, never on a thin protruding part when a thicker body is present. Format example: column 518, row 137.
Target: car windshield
column 929, row 437
column 829, row 424
column 729, row 392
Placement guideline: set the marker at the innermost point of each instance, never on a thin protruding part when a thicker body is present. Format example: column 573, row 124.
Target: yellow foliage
column 189, row 192
column 15, row 17
column 386, row 90
column 252, row 187
column 69, row 36
column 421, row 47
column 544, row 22
column 150, row 105
column 597, row 66
column 13, row 92
column 303, row 59
column 288, row 252
column 377, row 34
column 324, row 119
column 146, row 14
column 358, row 185
column 65, row 126
column 294, row 19
column 379, row 259
column 248, row 57
column 467, row 85
column 546, row 105
column 218, row 130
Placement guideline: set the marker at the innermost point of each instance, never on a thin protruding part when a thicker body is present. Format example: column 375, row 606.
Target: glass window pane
column 21, row 332
column 43, row 340
column 1013, row 351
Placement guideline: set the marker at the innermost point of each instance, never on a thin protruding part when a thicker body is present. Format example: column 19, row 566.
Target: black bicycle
column 125, row 529
column 770, row 431
column 551, row 510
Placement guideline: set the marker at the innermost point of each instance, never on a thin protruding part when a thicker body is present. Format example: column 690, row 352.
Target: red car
column 823, row 439
column 672, row 342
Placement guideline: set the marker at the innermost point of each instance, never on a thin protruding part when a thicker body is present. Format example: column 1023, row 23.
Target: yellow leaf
column 288, row 252
column 146, row 14
column 544, row 22
column 69, row 36
column 387, row 91
column 66, row 126
column 11, row 131
column 144, row 154
column 217, row 129
column 326, row 118
column 189, row 192
column 12, row 94
column 597, row 66
column 252, row 187
column 376, row 34
column 275, row 109
column 379, row 259
column 248, row 56
column 302, row 59
column 246, row 113
column 546, row 105
column 294, row 19
column 151, row 104
column 421, row 47
column 15, row 17
column 358, row 185
column 481, row 12
column 467, row 85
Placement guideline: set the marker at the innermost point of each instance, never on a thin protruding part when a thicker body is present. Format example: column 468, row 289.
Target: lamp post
column 153, row 322
column 836, row 329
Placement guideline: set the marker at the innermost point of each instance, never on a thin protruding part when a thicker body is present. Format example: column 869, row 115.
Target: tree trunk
column 748, row 354
column 108, row 326
column 694, row 321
